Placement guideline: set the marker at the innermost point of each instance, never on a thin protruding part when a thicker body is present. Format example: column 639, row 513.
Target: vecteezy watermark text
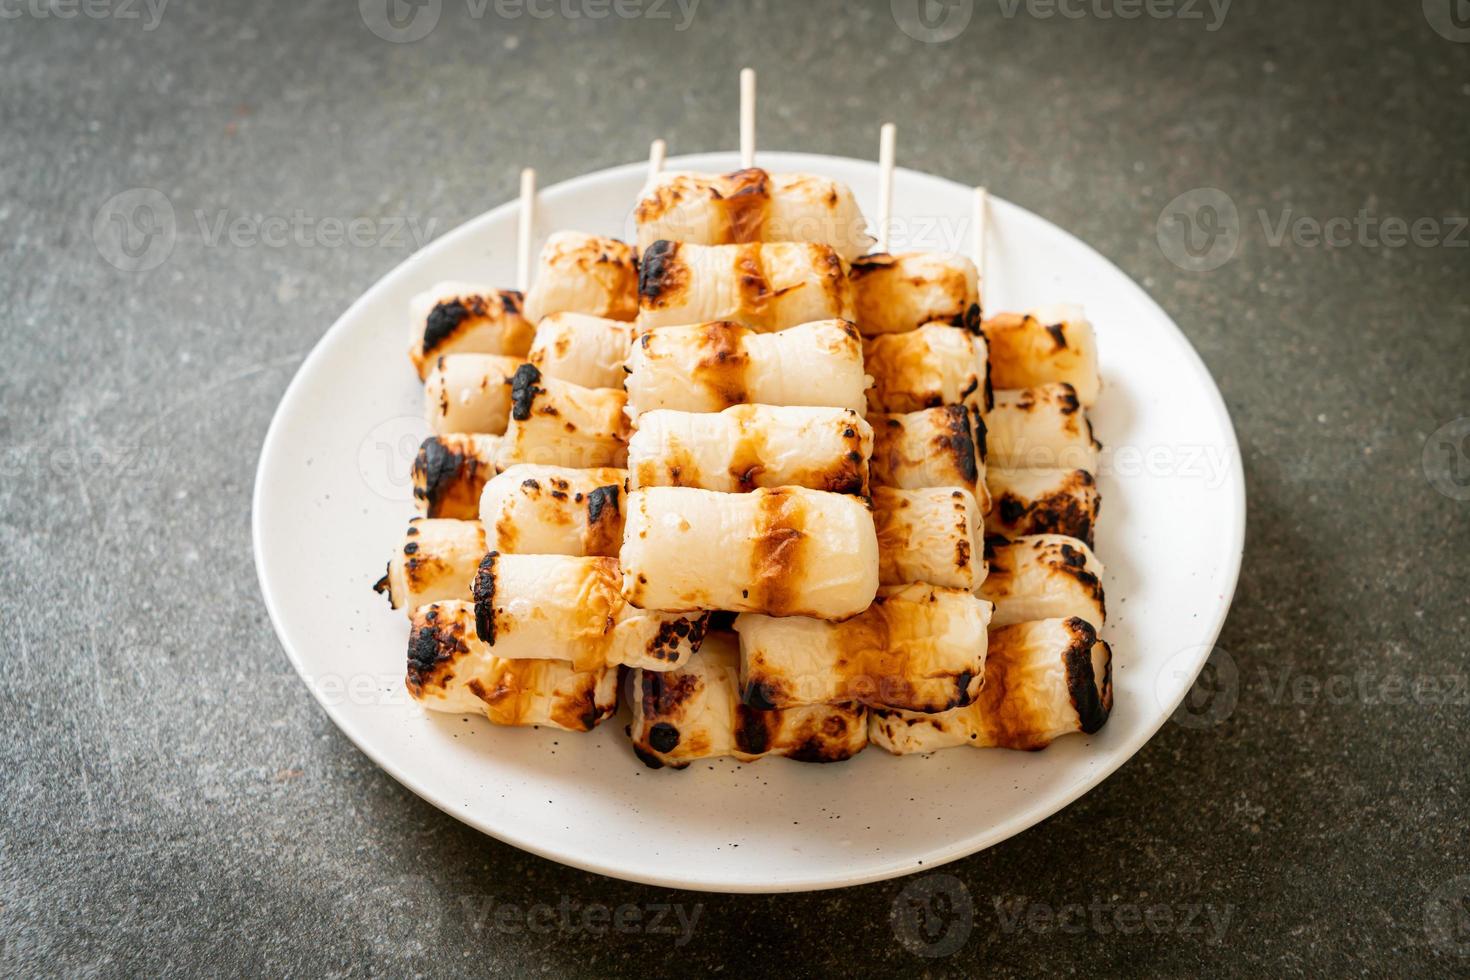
column 570, row 917
column 1102, row 916
column 149, row 12
column 406, row 21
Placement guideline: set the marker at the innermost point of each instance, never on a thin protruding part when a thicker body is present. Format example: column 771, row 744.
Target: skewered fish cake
column 461, row 318
column 1040, row 428
column 924, row 368
column 1043, row 680
column 450, row 472
column 708, row 367
column 1043, row 576
column 1042, row 502
column 749, row 446
column 766, row 286
column 557, row 423
column 530, row 607
column 554, row 510
column 752, row 206
column 438, row 561
column 786, row 551
column 469, row 393
column 1051, row 343
column 897, row 293
column 450, row 669
column 695, row 712
column 933, row 447
column 936, row 535
column 580, row 273
column 917, row 647
column 585, row 350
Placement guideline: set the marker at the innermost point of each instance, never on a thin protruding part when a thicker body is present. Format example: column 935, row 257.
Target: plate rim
column 934, row 858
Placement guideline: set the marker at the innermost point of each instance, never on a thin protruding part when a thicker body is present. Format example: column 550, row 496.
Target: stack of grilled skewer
column 763, row 475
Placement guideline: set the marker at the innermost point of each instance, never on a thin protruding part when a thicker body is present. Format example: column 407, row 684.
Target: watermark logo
column 1449, row 18
column 933, row 916
column 1446, row 459
column 1447, row 916
column 1199, row 230
column 386, row 455
column 400, row 21
column 1209, row 698
column 932, row 21
column 136, row 230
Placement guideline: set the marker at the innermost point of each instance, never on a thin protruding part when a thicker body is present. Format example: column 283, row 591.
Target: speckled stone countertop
column 175, row 801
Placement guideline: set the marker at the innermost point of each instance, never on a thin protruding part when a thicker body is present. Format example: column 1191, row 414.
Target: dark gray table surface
column 175, row 801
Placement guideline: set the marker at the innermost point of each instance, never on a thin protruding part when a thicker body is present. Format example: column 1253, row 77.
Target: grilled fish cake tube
column 1052, row 343
column 933, row 447
column 438, row 560
column 935, row 535
column 450, row 669
column 924, row 368
column 585, row 350
column 1044, row 576
column 695, row 712
column 786, row 551
column 1040, row 428
column 461, row 318
column 897, row 293
column 1042, row 502
column 752, row 206
column 1043, row 680
column 554, row 510
column 530, row 607
column 750, row 446
column 767, row 286
column 708, row 367
column 918, row 647
column 580, row 273
column 450, row 472
column 469, row 393
column 557, row 423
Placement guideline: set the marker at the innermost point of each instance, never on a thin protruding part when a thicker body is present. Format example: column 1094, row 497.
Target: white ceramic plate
column 332, row 498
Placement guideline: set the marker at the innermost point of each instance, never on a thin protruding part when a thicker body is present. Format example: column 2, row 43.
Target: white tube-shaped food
column 786, row 551
column 530, row 607
column 1051, row 343
column 451, row 669
column 554, row 510
column 936, row 535
column 767, row 286
column 1044, row 576
column 557, row 423
column 1041, row 428
column 933, row 447
column 586, row 350
column 708, row 367
column 450, row 472
column 750, row 446
column 1043, row 680
column 437, row 561
column 1042, row 502
column 580, row 273
column 897, row 293
column 933, row 365
column 462, row 318
column 917, row 647
column 469, row 393
column 695, row 712
column 752, row 206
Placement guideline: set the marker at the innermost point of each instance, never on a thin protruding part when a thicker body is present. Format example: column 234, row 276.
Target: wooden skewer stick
column 657, row 151
column 982, row 202
column 887, row 137
column 747, row 117
column 523, row 240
